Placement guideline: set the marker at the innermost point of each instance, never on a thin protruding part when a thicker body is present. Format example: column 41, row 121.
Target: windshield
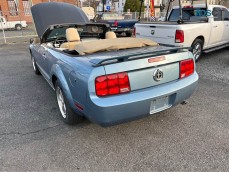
column 57, row 32
column 84, row 31
column 189, row 14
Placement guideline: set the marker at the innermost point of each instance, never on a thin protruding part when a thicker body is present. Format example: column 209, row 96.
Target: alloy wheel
column 197, row 49
column 61, row 102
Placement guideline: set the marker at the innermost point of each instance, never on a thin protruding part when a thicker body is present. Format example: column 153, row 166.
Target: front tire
column 18, row 27
column 67, row 114
column 35, row 68
column 197, row 48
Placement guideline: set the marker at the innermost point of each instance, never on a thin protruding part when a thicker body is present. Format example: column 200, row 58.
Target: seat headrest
column 72, row 35
column 110, row 35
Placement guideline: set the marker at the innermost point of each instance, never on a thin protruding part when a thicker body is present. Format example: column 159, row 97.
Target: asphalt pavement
column 192, row 137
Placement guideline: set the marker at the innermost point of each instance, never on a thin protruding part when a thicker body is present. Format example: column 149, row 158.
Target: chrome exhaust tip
column 184, row 102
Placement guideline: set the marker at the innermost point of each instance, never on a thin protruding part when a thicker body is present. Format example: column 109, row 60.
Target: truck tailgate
column 159, row 33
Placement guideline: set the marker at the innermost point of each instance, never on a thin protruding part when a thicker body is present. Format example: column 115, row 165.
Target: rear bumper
column 122, row 108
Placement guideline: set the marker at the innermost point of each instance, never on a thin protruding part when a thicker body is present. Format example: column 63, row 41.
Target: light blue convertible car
column 106, row 79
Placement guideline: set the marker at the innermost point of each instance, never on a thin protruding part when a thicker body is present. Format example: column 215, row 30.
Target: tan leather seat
column 110, row 35
column 72, row 37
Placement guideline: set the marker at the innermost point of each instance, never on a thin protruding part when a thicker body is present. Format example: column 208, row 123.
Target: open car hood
column 55, row 13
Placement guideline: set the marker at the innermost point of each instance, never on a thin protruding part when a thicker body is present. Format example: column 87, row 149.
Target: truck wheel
column 67, row 114
column 197, row 48
column 128, row 34
column 18, row 27
column 35, row 68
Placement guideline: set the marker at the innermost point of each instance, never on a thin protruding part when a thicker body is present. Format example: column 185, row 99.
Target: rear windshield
column 189, row 14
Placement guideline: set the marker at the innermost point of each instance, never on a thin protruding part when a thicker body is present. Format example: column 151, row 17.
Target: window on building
column 26, row 7
column 13, row 10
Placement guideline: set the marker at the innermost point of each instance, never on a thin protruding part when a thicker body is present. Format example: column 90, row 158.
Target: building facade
column 14, row 10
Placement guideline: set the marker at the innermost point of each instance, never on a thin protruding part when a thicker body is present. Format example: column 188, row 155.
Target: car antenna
column 139, row 17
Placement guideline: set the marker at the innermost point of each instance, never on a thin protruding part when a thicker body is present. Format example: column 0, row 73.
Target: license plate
column 159, row 104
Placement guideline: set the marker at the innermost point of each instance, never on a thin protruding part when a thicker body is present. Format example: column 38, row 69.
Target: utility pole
column 103, row 5
column 139, row 17
column 3, row 31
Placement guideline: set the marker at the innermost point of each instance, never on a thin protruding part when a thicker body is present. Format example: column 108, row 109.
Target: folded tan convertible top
column 112, row 44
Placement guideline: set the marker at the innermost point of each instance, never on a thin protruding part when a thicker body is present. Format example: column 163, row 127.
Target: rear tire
column 67, row 114
column 197, row 49
column 18, row 27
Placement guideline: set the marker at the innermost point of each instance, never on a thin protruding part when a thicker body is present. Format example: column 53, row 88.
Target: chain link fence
column 145, row 16
column 14, row 28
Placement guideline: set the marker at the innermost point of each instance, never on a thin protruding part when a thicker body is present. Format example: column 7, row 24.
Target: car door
column 226, row 25
column 43, row 60
column 216, row 37
column 3, row 23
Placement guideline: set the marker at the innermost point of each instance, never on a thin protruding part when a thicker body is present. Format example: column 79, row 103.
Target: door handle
column 44, row 55
column 215, row 26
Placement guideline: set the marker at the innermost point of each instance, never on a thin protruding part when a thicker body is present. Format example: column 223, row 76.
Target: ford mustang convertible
column 106, row 79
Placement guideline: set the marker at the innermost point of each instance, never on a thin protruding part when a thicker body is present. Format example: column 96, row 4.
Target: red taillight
column 179, row 38
column 112, row 84
column 186, row 68
column 116, row 23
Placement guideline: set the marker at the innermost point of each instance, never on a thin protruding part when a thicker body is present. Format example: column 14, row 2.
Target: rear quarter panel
column 193, row 31
column 74, row 72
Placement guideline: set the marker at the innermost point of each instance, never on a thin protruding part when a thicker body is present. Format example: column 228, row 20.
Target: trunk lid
column 141, row 72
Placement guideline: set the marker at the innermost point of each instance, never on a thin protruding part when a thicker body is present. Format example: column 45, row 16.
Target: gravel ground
column 194, row 137
column 13, row 36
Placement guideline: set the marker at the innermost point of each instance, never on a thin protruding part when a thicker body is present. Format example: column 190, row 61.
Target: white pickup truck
column 201, row 29
column 18, row 25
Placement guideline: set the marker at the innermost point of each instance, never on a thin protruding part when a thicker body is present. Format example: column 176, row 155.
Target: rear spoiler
column 135, row 56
